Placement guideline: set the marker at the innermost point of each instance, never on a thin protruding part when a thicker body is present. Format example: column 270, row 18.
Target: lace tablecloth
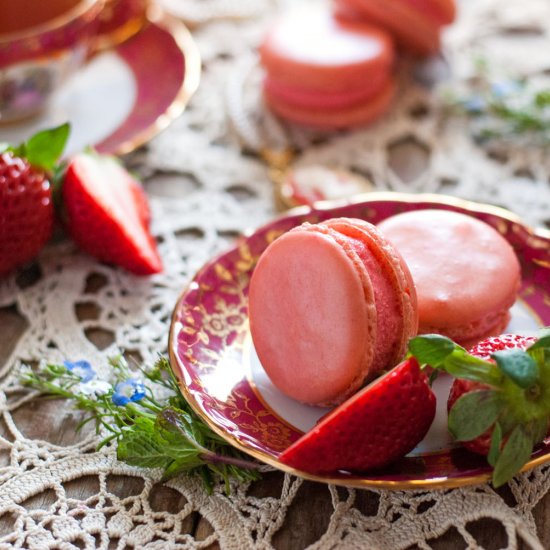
column 204, row 193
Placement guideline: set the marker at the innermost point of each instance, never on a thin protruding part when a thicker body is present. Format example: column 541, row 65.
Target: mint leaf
column 474, row 413
column 139, row 448
column 519, row 366
column 515, row 453
column 496, row 442
column 44, row 148
column 431, row 349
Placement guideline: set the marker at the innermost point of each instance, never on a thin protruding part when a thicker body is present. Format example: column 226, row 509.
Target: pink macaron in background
column 415, row 25
column 325, row 73
column 466, row 274
column 331, row 305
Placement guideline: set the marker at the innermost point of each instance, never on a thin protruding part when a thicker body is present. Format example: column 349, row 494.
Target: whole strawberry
column 107, row 213
column 499, row 406
column 379, row 424
column 484, row 350
column 26, row 204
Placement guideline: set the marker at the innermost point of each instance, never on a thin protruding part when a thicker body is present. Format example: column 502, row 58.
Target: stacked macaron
column 414, row 24
column 326, row 73
column 331, row 305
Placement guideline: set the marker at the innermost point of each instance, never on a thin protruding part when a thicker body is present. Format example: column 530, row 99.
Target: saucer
column 124, row 96
column 213, row 356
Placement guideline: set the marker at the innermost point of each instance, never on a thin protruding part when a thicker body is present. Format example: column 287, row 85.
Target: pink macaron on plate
column 212, row 354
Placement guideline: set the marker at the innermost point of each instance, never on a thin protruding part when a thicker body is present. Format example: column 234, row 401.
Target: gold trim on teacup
column 190, row 83
column 58, row 22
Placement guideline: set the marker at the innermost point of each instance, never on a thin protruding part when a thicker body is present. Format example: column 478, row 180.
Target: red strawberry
column 26, row 205
column 499, row 406
column 484, row 350
column 379, row 424
column 107, row 214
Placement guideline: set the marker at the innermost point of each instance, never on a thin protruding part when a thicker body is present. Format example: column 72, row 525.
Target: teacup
column 42, row 42
column 120, row 20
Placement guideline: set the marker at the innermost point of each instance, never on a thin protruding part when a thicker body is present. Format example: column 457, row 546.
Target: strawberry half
column 499, row 406
column 107, row 214
column 26, row 203
column 379, row 424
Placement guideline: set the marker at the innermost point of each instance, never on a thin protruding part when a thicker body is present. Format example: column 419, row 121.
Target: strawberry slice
column 379, row 424
column 499, row 406
column 107, row 213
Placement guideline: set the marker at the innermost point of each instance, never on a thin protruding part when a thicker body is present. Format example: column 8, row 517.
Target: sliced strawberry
column 379, row 424
column 499, row 406
column 107, row 214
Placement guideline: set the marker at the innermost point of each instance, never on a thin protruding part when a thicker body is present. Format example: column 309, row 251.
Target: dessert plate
column 123, row 97
column 213, row 356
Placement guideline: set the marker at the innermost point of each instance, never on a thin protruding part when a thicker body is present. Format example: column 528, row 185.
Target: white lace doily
column 205, row 192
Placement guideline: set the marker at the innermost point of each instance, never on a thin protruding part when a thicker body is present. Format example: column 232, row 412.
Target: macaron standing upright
column 467, row 276
column 325, row 73
column 331, row 305
column 414, row 24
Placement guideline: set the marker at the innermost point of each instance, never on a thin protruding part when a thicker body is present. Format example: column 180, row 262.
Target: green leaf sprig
column 511, row 109
column 512, row 399
column 148, row 431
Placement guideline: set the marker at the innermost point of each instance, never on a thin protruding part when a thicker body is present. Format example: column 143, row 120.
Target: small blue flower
column 129, row 390
column 83, row 369
column 505, row 88
column 475, row 105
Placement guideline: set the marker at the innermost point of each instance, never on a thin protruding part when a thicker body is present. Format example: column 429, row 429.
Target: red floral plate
column 212, row 353
column 124, row 96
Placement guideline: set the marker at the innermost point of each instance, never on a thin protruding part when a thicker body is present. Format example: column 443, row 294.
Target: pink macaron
column 466, row 274
column 331, row 305
column 326, row 73
column 414, row 24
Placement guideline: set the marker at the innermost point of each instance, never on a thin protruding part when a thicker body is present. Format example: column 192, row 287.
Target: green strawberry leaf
column 538, row 429
column 474, row 413
column 543, row 341
column 463, row 365
column 44, row 148
column 431, row 349
column 496, row 442
column 4, row 146
column 519, row 366
column 514, row 455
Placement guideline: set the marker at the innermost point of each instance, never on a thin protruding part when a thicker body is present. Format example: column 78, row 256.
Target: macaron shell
column 312, row 317
column 467, row 275
column 329, row 119
column 412, row 29
column 309, row 98
column 394, row 290
column 309, row 48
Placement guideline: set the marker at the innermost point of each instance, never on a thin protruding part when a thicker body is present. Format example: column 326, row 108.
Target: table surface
column 307, row 518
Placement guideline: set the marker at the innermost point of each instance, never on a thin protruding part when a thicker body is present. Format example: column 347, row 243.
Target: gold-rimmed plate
column 212, row 354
